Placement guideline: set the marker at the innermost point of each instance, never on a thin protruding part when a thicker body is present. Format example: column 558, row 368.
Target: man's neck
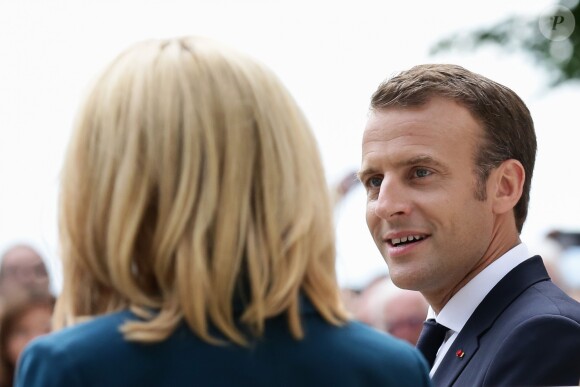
column 439, row 298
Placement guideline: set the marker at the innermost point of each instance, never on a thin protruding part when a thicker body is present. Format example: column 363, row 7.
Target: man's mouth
column 406, row 240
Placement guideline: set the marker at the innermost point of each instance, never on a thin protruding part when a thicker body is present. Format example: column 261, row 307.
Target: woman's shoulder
column 56, row 359
column 355, row 351
column 375, row 343
column 359, row 343
column 85, row 335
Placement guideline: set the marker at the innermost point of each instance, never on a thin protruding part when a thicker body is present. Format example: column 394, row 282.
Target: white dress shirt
column 461, row 306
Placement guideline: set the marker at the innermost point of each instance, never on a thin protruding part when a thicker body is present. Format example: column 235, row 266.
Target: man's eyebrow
column 421, row 160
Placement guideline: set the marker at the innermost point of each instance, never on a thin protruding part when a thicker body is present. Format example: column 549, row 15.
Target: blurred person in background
column 340, row 190
column 21, row 322
column 23, row 274
column 566, row 262
column 388, row 308
column 197, row 238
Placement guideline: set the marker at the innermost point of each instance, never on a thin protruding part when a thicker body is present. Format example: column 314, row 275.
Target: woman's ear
column 508, row 182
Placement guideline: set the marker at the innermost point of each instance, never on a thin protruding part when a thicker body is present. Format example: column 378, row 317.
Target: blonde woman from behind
column 197, row 238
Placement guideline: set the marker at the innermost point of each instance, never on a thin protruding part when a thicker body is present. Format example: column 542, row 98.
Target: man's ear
column 508, row 181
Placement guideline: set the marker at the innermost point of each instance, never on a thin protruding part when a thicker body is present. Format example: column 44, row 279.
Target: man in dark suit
column 447, row 161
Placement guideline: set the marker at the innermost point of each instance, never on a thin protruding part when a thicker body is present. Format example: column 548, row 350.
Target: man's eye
column 375, row 182
column 422, row 172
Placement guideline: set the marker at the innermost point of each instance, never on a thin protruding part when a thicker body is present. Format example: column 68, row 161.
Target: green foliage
column 520, row 34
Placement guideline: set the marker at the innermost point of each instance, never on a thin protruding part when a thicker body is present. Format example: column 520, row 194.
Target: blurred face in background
column 404, row 314
column 400, row 312
column 23, row 272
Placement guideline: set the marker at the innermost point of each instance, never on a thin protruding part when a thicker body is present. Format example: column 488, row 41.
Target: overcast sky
column 330, row 54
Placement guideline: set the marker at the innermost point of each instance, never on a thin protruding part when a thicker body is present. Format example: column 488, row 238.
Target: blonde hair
column 191, row 175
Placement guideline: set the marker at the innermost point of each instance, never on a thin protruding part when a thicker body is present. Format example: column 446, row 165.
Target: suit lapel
column 498, row 299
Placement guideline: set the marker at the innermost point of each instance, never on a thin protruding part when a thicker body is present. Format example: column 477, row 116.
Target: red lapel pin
column 460, row 353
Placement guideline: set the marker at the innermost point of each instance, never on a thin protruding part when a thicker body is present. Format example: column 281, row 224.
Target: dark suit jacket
column 525, row 332
column 95, row 354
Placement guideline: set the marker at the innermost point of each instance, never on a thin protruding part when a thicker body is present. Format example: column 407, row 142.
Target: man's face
column 23, row 271
column 418, row 169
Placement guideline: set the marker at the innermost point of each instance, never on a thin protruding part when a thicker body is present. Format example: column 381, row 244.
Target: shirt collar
column 461, row 306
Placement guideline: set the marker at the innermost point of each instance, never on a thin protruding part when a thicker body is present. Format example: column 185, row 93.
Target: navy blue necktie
column 431, row 338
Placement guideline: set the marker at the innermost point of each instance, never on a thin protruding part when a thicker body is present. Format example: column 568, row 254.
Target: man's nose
column 393, row 199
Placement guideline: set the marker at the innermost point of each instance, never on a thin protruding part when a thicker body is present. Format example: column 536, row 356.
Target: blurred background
column 331, row 55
